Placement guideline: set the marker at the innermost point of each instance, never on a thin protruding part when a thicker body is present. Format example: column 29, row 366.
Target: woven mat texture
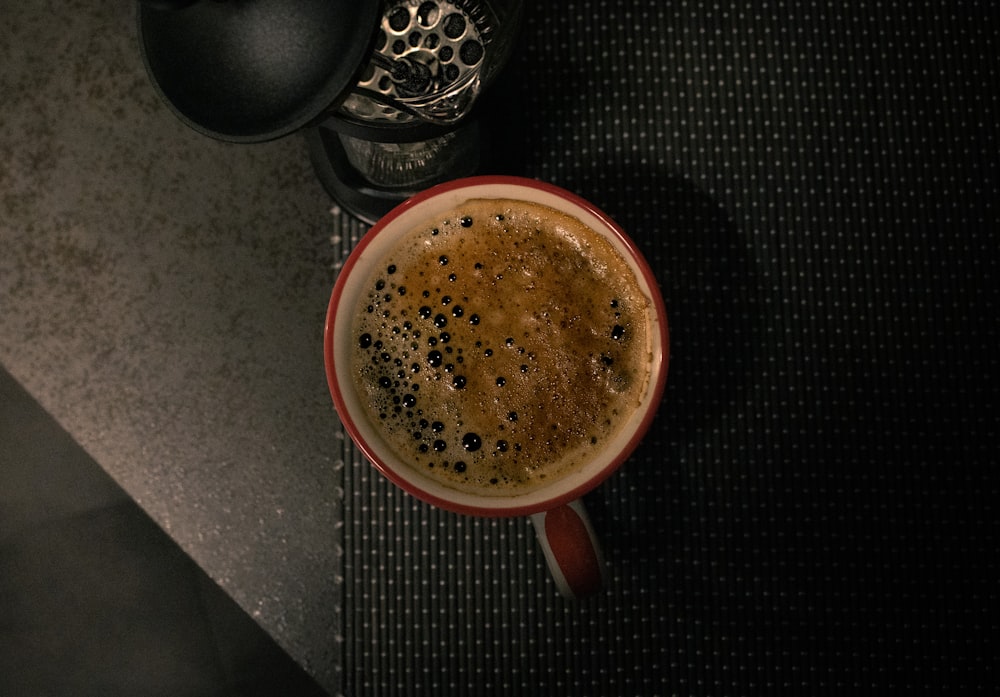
column 815, row 508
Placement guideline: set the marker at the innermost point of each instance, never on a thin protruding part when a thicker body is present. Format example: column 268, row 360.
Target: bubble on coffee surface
column 518, row 346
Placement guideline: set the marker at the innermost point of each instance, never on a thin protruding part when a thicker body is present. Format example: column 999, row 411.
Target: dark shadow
column 702, row 261
column 707, row 278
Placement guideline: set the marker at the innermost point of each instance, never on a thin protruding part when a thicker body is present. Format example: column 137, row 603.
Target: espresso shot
column 500, row 345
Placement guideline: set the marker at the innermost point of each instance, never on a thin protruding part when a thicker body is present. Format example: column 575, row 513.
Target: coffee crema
column 500, row 345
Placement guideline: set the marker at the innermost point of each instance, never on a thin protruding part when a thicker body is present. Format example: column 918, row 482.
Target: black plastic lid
column 255, row 70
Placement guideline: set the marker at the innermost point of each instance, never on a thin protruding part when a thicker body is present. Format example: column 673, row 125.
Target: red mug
column 561, row 524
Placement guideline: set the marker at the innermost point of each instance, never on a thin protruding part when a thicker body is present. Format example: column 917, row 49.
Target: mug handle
column 571, row 549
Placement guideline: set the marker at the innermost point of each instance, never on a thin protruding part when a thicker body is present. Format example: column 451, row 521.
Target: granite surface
column 815, row 508
column 162, row 295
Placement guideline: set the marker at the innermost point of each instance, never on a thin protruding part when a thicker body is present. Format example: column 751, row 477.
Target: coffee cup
column 498, row 346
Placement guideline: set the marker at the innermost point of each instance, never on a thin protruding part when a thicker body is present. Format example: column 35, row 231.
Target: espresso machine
column 387, row 93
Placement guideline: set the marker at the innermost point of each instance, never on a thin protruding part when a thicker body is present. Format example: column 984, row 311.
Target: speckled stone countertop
column 162, row 295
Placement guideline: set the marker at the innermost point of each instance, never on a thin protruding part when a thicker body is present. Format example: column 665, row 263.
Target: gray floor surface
column 95, row 599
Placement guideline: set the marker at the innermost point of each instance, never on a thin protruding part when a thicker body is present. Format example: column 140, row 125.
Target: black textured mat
column 815, row 508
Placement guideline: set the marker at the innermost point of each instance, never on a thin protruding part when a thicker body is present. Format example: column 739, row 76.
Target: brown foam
column 542, row 332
